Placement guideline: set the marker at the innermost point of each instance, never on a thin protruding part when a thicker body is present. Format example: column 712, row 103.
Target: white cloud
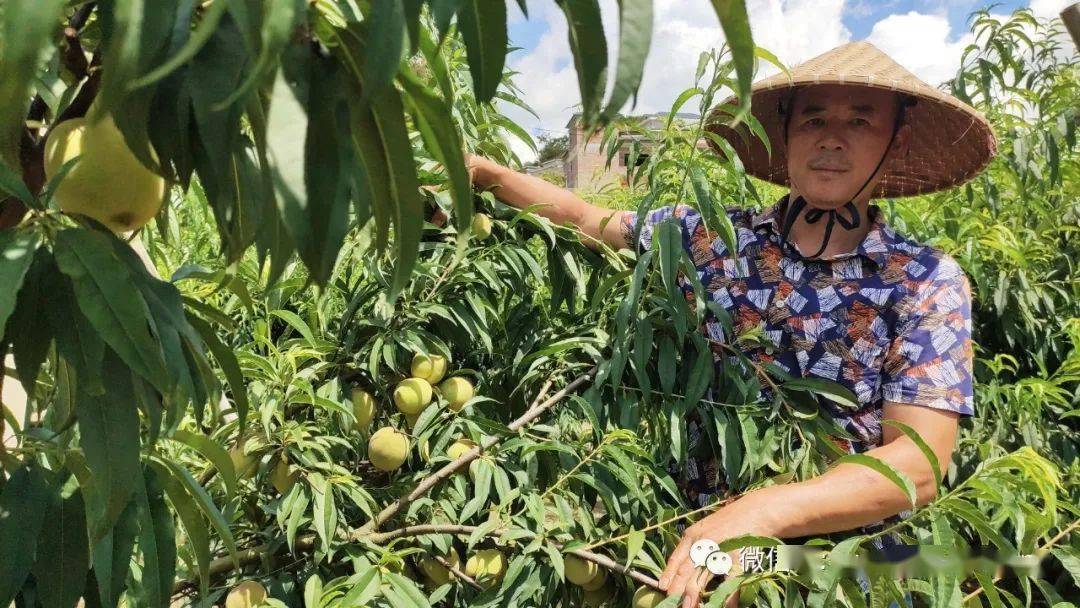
column 935, row 58
column 1045, row 9
column 794, row 30
column 797, row 30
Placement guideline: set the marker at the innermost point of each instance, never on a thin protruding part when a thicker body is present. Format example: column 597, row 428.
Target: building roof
column 679, row 115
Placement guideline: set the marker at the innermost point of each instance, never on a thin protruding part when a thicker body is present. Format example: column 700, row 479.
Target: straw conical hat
column 951, row 142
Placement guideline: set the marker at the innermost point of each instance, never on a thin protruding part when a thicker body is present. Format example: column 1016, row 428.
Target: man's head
column 836, row 135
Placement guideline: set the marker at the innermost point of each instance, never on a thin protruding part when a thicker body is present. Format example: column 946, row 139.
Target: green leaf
column 296, row 323
column 199, row 37
column 63, row 553
column 669, row 239
column 402, row 591
column 978, row 521
column 901, row 480
column 736, row 25
column 748, row 540
column 385, row 31
column 483, row 27
column 1070, row 560
column 432, row 117
column 642, row 352
column 112, row 555
column 23, row 504
column 109, row 436
column 12, row 183
column 313, row 591
column 27, row 27
column 635, row 37
column 226, row 170
column 157, row 539
column 324, row 510
column 278, row 23
column 826, row 388
column 824, row 591
column 76, row 341
column 195, row 530
column 205, row 504
column 226, row 358
column 634, row 543
column 182, row 346
column 311, row 182
column 680, row 100
column 703, row 195
column 363, row 586
column 27, row 329
column 666, row 365
column 587, row 43
column 121, row 26
column 109, row 299
column 917, row 439
column 701, row 374
column 383, row 143
column 212, row 452
column 719, row 595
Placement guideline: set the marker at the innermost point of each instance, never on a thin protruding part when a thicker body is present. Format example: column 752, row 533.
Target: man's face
column 836, row 137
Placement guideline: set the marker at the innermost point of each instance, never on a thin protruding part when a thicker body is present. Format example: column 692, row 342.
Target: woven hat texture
column 951, row 142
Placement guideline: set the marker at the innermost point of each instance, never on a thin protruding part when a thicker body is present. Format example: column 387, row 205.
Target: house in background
column 553, row 170
column 584, row 163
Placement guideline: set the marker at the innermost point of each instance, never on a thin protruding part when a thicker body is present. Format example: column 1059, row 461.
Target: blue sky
column 925, row 36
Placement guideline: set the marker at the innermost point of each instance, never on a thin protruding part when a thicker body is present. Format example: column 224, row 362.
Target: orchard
column 259, row 369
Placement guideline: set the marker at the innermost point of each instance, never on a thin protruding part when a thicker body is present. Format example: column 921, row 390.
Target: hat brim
column 950, row 141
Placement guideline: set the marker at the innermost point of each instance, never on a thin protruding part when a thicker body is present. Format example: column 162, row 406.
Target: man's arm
column 560, row 205
column 852, row 495
column 842, row 498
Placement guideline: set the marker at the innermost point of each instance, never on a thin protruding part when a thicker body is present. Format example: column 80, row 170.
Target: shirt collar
column 875, row 246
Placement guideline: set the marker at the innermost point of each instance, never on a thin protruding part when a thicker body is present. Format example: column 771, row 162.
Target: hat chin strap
column 814, row 214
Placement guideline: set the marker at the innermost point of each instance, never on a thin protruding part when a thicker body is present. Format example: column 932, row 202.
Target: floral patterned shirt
column 891, row 321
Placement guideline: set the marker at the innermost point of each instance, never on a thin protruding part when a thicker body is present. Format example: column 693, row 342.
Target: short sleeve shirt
column 891, row 321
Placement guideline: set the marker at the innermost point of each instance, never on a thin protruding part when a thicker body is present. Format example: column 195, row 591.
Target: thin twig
column 582, row 462
column 1040, row 552
column 709, row 507
column 381, row 538
column 458, row 573
column 610, row 564
column 543, row 392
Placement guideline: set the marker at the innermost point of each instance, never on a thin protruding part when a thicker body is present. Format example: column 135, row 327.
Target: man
column 838, row 292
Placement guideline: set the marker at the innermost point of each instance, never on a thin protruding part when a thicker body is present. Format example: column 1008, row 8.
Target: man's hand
column 845, row 497
column 479, row 169
column 735, row 519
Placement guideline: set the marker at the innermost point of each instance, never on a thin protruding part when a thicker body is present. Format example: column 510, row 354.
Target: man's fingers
column 692, row 592
column 686, row 573
column 675, row 561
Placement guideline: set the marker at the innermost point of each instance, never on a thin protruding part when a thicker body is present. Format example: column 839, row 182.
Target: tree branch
column 458, row 573
column 427, row 484
column 306, row 543
column 369, row 532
